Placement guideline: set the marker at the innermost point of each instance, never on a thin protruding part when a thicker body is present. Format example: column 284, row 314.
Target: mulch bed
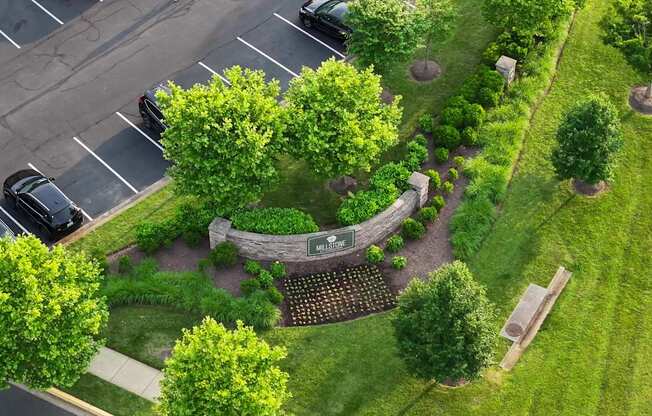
column 424, row 71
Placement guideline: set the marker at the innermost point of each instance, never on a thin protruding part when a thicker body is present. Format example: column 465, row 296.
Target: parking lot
column 116, row 157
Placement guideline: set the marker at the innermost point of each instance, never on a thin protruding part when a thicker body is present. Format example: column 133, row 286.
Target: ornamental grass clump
column 277, row 269
column 413, row 229
column 252, row 267
column 224, row 255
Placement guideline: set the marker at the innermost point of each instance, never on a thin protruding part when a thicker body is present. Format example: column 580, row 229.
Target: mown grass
column 110, row 398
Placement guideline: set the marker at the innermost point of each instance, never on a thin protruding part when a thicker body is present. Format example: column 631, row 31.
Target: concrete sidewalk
column 127, row 373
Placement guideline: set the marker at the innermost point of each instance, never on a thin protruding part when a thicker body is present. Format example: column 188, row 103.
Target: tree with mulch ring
column 588, row 139
column 625, row 27
column 436, row 19
column 444, row 326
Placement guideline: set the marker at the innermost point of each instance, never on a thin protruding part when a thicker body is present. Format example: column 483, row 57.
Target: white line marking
column 139, row 131
column 55, row 185
column 267, row 56
column 15, row 221
column 341, row 55
column 48, row 12
column 9, row 39
column 208, row 68
column 106, row 165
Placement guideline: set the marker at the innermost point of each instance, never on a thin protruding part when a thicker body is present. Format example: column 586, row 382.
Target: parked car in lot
column 327, row 16
column 5, row 231
column 37, row 196
column 149, row 110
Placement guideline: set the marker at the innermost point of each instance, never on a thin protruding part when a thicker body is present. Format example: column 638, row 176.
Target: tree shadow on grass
column 410, row 405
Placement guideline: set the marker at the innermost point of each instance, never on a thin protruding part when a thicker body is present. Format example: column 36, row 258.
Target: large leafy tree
column 215, row 371
column 627, row 27
column 223, row 140
column 51, row 314
column 444, row 325
column 437, row 18
column 384, row 31
column 337, row 121
column 587, row 140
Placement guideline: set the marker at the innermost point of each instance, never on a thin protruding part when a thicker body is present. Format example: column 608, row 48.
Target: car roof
column 50, row 197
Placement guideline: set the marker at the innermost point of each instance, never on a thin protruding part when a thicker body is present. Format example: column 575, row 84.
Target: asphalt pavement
column 18, row 402
column 68, row 95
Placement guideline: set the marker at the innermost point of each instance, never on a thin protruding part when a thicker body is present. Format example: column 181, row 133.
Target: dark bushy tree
column 51, row 314
column 588, row 137
column 337, row 122
column 384, row 31
column 444, row 325
column 223, row 140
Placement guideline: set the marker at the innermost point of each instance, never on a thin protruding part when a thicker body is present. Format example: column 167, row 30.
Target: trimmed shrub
column 453, row 116
column 420, row 139
column 399, row 262
column 202, row 265
column 459, row 162
column 435, row 179
column 125, row 265
column 474, row 115
column 448, row 136
column 413, row 229
column 394, row 243
column 426, row 215
column 277, row 269
column 390, row 175
column 365, row 204
column 485, row 87
column 249, row 286
column 274, row 295
column 375, row 254
column 441, row 155
column 425, row 123
column 265, row 279
column 453, row 174
column 416, row 155
column 470, row 136
column 151, row 236
column 224, row 255
column 252, row 267
column 274, row 221
column 438, row 202
column 448, row 187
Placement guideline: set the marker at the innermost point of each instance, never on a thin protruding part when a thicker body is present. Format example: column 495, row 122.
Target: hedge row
column 189, row 291
column 501, row 138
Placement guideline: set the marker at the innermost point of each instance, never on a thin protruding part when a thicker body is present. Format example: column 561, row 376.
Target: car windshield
column 63, row 216
column 338, row 11
column 33, row 184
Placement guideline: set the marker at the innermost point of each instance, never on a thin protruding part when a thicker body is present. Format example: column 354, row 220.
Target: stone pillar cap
column 418, row 180
column 506, row 62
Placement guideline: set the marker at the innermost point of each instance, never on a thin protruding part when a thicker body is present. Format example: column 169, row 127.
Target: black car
column 38, row 197
column 149, row 110
column 5, row 231
column 327, row 16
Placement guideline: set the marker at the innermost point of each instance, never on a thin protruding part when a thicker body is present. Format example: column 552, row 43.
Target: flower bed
column 337, row 296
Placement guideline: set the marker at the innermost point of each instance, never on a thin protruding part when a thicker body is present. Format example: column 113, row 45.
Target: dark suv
column 5, row 231
column 327, row 16
column 149, row 110
column 36, row 196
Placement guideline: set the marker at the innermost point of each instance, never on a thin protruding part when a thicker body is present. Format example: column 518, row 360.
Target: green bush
column 435, row 179
column 365, row 204
column 420, row 139
column 474, row 115
column 394, row 243
column 125, row 265
column 224, row 254
column 426, row 215
column 469, row 136
column 459, row 161
column 274, row 295
column 485, row 87
column 399, row 262
column 249, row 286
column 274, row 221
column 447, row 187
column 375, row 254
column 189, row 291
column 416, row 155
column 390, row 175
column 453, row 174
column 413, row 229
column 252, row 267
column 265, row 279
column 152, row 236
column 453, row 116
column 438, row 202
column 277, row 269
column 203, row 264
column 448, row 136
column 441, row 155
column 425, row 123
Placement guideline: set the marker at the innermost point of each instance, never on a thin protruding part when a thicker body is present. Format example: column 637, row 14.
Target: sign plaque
column 331, row 243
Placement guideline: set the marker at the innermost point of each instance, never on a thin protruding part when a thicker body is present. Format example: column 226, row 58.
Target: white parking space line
column 335, row 51
column 106, row 165
column 88, row 217
column 139, row 130
column 267, row 56
column 209, row 69
column 48, row 12
column 14, row 221
column 9, row 39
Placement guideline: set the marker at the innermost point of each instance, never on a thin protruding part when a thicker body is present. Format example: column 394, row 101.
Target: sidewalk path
column 127, row 373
